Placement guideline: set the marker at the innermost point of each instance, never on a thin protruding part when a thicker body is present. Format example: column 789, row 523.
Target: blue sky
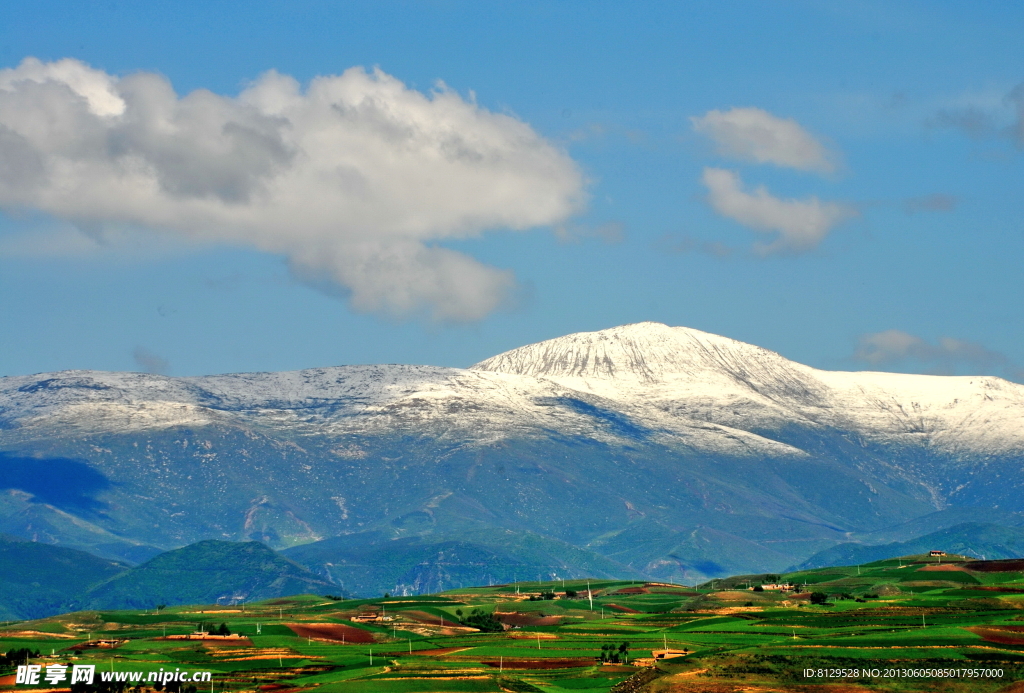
column 840, row 184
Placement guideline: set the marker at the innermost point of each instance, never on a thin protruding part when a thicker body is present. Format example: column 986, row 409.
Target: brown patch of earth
column 1009, row 565
column 1011, row 590
column 623, row 609
column 333, row 632
column 999, row 635
column 517, row 618
column 429, row 619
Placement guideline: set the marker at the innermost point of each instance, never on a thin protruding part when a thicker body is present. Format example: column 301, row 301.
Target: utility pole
column 590, row 596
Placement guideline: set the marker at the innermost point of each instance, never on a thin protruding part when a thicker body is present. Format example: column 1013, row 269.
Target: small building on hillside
column 936, row 553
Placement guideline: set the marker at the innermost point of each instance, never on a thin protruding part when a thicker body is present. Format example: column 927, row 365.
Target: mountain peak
column 645, row 352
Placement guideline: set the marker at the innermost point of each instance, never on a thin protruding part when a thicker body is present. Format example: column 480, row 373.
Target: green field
column 901, row 624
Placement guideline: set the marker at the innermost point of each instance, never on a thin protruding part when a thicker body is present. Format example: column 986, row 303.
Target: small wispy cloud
column 801, row 224
column 609, row 232
column 939, row 202
column 1003, row 120
column 680, row 244
column 1016, row 99
column 753, row 134
column 896, row 347
column 150, row 362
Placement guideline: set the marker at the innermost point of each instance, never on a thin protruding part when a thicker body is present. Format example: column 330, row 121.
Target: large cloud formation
column 801, row 224
column 754, row 134
column 352, row 178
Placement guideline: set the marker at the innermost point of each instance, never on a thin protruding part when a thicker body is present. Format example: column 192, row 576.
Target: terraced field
column 906, row 624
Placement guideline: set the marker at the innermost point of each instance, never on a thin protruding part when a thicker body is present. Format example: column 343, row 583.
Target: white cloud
column 753, row 134
column 353, row 179
column 895, row 346
column 801, row 224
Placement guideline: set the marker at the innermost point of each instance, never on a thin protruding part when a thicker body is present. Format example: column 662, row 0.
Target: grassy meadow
column 907, row 624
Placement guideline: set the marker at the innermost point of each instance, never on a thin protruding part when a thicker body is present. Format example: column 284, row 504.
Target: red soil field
column 1007, row 565
column 623, row 609
column 991, row 588
column 429, row 619
column 335, row 632
column 516, row 618
column 541, row 663
column 943, row 568
column 999, row 636
column 631, row 590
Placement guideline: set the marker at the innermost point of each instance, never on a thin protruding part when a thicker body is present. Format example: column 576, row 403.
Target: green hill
column 207, row 572
column 899, row 625
column 371, row 563
column 38, row 579
column 969, row 538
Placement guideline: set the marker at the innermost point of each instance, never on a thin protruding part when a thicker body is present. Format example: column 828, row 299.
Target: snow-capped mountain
column 662, row 450
column 689, row 375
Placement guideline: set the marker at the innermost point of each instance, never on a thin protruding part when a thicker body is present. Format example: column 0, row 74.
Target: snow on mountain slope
column 679, row 385
column 477, row 406
column 685, row 372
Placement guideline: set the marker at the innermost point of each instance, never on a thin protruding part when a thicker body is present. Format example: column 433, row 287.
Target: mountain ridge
column 733, row 457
